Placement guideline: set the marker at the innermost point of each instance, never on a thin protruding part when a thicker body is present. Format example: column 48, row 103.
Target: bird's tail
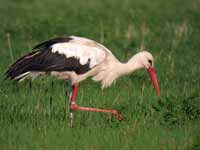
column 21, row 68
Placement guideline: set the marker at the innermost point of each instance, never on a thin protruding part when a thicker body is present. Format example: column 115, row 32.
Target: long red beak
column 154, row 80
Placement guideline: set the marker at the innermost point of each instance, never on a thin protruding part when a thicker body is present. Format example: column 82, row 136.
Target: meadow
column 34, row 114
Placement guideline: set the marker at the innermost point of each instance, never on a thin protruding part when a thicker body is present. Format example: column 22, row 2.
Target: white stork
column 75, row 59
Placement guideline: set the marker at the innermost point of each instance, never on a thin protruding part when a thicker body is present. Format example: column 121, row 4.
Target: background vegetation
column 33, row 115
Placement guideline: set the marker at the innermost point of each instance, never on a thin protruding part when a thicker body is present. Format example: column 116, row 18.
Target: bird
column 74, row 59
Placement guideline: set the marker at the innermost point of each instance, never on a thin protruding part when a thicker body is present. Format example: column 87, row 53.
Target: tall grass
column 34, row 114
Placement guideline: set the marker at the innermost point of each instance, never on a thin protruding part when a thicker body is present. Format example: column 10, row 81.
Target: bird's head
column 145, row 60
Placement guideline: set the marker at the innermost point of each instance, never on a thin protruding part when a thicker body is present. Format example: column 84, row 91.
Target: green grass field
column 33, row 115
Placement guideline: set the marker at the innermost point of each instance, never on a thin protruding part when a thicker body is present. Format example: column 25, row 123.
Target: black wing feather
column 45, row 61
column 48, row 61
column 49, row 43
column 20, row 66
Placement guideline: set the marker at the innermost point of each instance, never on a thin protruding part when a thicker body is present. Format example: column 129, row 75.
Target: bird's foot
column 118, row 115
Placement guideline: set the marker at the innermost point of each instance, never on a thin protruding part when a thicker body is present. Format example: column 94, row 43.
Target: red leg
column 74, row 106
column 73, row 93
column 112, row 111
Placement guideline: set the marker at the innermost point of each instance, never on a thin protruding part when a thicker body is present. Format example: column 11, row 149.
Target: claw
column 118, row 115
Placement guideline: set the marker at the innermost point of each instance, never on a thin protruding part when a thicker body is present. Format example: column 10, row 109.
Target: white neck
column 113, row 69
column 133, row 64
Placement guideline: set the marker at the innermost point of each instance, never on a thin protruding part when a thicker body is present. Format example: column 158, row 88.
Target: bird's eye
column 150, row 61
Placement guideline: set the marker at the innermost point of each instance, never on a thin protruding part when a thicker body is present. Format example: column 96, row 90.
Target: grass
column 33, row 115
